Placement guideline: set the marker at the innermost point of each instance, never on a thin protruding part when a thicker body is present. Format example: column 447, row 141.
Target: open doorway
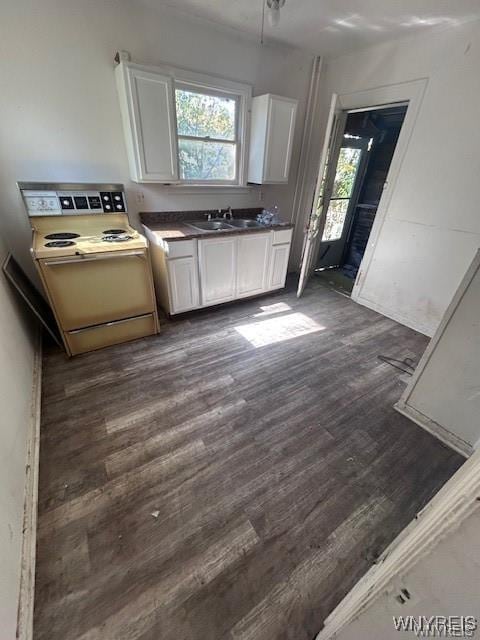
column 352, row 188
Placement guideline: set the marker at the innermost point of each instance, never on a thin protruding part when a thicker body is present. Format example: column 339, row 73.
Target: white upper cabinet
column 148, row 115
column 271, row 139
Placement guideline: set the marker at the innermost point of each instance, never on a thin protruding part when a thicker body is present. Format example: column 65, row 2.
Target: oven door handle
column 109, row 324
column 95, row 258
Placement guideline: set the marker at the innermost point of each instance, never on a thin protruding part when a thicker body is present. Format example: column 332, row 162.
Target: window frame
column 216, row 85
column 236, row 142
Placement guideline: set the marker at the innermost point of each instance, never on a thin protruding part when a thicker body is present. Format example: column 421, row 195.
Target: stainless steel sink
column 244, row 223
column 210, row 225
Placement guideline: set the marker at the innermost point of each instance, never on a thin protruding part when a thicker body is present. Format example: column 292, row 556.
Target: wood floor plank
column 275, row 474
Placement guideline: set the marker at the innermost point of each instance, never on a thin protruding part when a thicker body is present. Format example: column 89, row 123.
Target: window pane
column 348, row 161
column 206, row 160
column 203, row 116
column 337, row 210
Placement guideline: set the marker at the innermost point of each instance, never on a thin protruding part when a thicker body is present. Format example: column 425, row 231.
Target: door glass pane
column 205, row 116
column 345, row 174
column 201, row 160
column 348, row 161
column 337, row 210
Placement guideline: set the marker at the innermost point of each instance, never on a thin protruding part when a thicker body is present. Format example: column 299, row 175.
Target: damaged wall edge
column 28, row 560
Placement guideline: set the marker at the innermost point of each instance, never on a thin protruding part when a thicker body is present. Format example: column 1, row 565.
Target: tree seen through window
column 207, row 145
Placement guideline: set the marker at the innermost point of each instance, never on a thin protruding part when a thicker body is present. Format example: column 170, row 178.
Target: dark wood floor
column 276, row 473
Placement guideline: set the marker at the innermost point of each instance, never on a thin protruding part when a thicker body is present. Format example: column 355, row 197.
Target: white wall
column 16, row 368
column 432, row 227
column 59, row 114
column 443, row 583
column 446, row 385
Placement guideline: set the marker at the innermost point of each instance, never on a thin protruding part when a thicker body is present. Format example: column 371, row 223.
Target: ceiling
column 332, row 27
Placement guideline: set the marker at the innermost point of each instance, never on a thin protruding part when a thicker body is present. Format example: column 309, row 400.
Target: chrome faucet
column 228, row 214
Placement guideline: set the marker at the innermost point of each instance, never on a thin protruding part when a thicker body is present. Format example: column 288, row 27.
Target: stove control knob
column 106, row 198
column 117, row 198
column 108, row 207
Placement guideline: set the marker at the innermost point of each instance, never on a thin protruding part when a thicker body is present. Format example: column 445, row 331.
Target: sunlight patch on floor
column 273, row 330
column 268, row 310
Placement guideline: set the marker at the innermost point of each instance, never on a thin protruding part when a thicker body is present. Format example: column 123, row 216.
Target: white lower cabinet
column 216, row 259
column 278, row 266
column 191, row 274
column 253, row 252
column 183, row 284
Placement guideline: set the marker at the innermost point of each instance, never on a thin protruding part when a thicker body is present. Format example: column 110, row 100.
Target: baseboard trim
column 27, row 572
column 447, row 437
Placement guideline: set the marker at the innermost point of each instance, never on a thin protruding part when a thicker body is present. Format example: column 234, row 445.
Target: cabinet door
column 279, row 138
column 183, row 284
column 278, row 266
column 152, row 125
column 217, row 269
column 252, row 263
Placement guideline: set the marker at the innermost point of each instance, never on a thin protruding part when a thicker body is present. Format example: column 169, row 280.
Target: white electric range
column 94, row 266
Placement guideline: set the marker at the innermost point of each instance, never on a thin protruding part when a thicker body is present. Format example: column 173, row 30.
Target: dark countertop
column 175, row 227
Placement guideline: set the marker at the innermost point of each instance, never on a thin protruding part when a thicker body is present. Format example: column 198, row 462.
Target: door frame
column 411, row 92
column 374, row 98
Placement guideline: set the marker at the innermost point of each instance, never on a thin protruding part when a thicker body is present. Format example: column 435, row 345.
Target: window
column 207, row 129
column 212, row 121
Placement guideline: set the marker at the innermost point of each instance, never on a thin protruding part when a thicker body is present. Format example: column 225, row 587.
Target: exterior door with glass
column 333, row 134
column 339, row 198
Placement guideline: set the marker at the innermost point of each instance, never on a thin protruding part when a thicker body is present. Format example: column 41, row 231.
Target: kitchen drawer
column 104, row 335
column 282, row 236
column 181, row 249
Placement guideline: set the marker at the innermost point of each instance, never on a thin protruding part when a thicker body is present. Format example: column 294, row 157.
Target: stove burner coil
column 60, row 243
column 114, row 232
column 117, row 238
column 62, row 236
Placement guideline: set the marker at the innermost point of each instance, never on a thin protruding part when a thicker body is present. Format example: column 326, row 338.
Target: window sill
column 209, row 188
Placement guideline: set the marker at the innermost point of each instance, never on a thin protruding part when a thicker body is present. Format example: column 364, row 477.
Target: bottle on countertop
column 269, row 216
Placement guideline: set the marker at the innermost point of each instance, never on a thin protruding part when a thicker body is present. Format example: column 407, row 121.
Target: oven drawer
column 99, row 288
column 92, row 338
